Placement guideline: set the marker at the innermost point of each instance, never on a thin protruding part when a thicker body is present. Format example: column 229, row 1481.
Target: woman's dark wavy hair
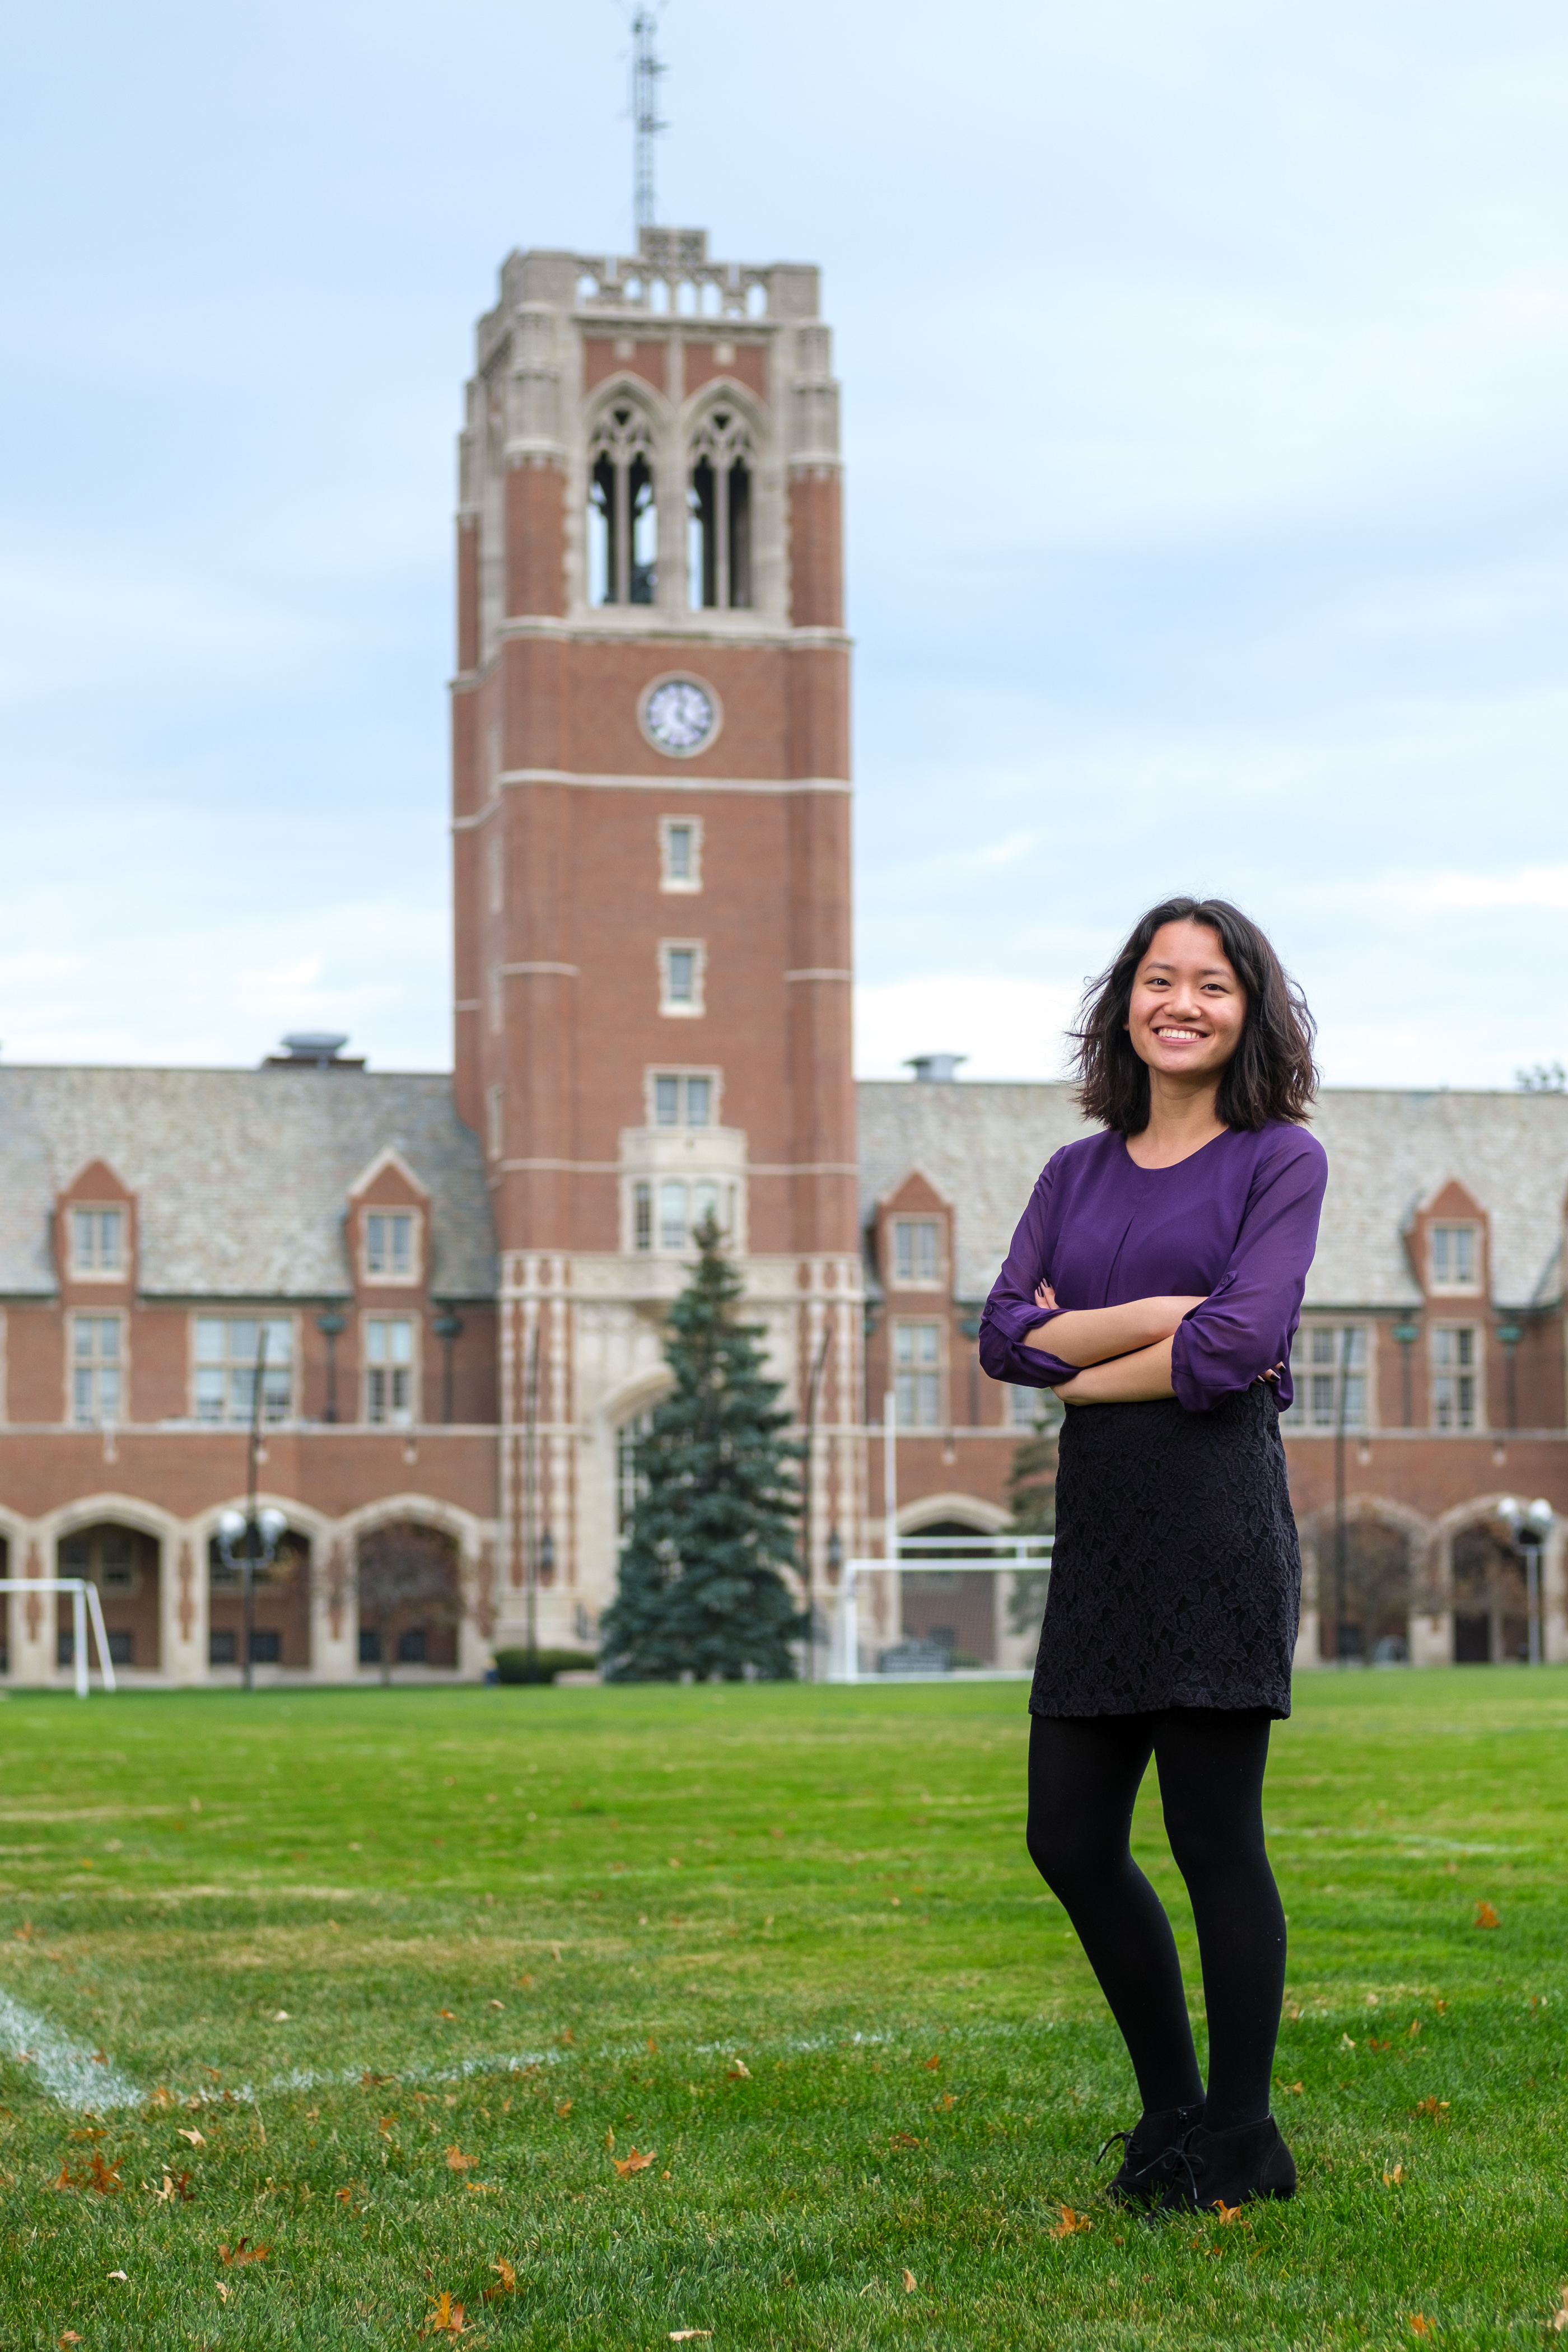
column 1271, row 1073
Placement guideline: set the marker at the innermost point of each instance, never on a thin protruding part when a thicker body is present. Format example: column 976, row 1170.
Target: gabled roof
column 242, row 1176
column 984, row 1144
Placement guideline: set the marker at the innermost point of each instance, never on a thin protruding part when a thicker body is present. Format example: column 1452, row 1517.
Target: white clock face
column 680, row 716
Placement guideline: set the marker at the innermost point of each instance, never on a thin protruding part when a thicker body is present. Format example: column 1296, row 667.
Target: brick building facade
column 451, row 1288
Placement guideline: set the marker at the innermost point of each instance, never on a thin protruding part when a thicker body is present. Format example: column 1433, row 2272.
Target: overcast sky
column 1206, row 369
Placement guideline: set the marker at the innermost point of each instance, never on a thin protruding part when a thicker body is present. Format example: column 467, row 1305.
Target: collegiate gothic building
column 450, row 1291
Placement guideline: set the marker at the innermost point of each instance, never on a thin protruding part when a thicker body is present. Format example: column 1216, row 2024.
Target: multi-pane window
column 229, row 1349
column 680, row 976
column 680, row 853
column 916, row 1251
column 389, row 1245
column 97, row 1241
column 1455, row 1257
column 682, row 1099
column 1329, row 1367
column 917, row 1374
column 1454, row 1363
column 389, row 1369
column 98, row 1384
column 666, row 1214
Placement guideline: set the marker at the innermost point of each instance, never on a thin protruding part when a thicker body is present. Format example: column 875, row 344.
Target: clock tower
column 651, row 866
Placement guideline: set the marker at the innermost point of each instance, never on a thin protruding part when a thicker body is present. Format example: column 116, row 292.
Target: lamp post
column 808, row 1576
column 1529, row 1525
column 259, row 1533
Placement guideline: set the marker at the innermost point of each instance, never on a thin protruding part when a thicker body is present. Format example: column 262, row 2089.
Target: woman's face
column 1187, row 1008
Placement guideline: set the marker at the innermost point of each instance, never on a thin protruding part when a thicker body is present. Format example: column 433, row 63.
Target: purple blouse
column 1236, row 1222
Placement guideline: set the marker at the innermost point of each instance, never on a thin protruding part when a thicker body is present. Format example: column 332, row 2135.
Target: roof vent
column 934, row 1069
column 313, row 1049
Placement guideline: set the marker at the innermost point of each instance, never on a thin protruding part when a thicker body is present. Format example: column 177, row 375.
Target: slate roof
column 242, row 1176
column 982, row 1146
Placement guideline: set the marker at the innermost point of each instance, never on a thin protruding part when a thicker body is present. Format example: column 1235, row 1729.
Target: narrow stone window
column 389, row 1370
column 97, row 1369
column 917, row 1374
column 680, row 975
column 622, row 512
column 1455, row 1363
column 642, row 1216
column 719, row 514
column 680, row 853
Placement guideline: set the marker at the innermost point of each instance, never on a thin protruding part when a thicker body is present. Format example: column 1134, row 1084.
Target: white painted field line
column 67, row 2069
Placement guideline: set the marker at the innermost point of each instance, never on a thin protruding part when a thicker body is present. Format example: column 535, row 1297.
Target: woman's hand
column 1045, row 1297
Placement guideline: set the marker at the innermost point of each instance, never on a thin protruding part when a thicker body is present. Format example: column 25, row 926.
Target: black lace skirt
column 1176, row 1579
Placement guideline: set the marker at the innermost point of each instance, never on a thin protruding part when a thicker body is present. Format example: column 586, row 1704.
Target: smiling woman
column 1155, row 1281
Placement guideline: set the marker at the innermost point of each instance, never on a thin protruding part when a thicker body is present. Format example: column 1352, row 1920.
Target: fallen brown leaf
column 457, row 2162
column 564, row 2109
column 445, row 2317
column 1071, row 2223
column 508, row 2281
column 1392, row 2179
column 688, row 2335
column 1430, row 2105
column 244, row 2252
column 902, row 2139
column 739, row 2071
column 1485, row 1918
column 933, row 2064
column 1420, row 2324
column 635, row 2162
column 196, row 2139
column 909, row 2282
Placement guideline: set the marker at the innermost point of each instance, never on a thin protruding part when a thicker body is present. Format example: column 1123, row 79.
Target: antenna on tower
column 647, row 67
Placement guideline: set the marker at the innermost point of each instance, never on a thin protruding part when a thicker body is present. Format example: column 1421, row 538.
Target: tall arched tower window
column 622, row 515
column 719, row 503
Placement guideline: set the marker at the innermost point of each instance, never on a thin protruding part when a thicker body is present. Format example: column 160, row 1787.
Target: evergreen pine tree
column 1032, row 1507
column 700, row 1591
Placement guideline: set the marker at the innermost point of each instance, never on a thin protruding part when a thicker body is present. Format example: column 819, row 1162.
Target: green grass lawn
column 392, row 1984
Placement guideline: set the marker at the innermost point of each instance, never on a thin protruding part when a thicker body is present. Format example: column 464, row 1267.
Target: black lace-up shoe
column 1144, row 2151
column 1207, row 2169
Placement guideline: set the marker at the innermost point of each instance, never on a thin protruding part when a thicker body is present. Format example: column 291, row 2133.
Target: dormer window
column 98, row 1243
column 389, row 1246
column 1453, row 1257
column 917, row 1252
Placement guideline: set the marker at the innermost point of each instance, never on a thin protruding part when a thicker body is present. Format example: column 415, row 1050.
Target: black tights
column 1083, row 1778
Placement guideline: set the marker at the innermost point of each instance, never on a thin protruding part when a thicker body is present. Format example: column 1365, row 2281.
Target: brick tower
column 651, row 866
